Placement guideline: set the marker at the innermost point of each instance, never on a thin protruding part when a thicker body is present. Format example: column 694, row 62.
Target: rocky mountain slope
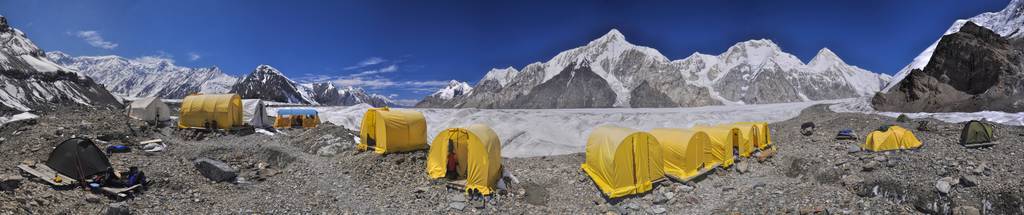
column 445, row 94
column 146, row 77
column 751, row 72
column 1007, row 23
column 267, row 83
column 971, row 70
column 33, row 82
column 329, row 94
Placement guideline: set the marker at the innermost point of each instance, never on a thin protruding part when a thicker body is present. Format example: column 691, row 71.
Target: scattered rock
column 10, row 182
column 852, row 149
column 457, row 205
column 870, row 166
column 943, row 186
column 682, row 188
column 742, row 167
column 421, row 190
column 968, row 181
column 670, row 195
column 881, row 158
column 657, row 210
column 92, row 198
column 660, row 199
column 457, row 198
column 215, row 170
column 966, row 210
column 118, row 208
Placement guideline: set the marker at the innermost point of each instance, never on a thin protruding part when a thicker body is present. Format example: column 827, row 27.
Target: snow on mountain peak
column 502, row 76
column 454, row 88
column 611, row 37
column 825, row 58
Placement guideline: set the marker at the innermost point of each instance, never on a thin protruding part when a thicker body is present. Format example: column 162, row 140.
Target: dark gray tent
column 976, row 134
column 79, row 159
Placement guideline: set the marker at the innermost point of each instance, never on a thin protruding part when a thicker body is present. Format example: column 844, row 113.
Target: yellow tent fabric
column 623, row 161
column 895, row 138
column 684, row 151
column 288, row 121
column 723, row 140
column 478, row 152
column 197, row 111
column 748, row 134
column 391, row 130
column 762, row 138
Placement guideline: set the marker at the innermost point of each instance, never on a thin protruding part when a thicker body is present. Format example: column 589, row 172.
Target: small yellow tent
column 477, row 150
column 215, row 110
column 623, row 161
column 684, row 152
column 748, row 132
column 894, row 138
column 762, row 138
column 723, row 139
column 305, row 118
column 387, row 131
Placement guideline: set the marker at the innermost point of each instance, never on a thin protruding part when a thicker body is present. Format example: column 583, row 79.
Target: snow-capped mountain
column 146, row 77
column 31, row 81
column 612, row 72
column 446, row 94
column 1008, row 23
column 328, row 94
column 267, row 83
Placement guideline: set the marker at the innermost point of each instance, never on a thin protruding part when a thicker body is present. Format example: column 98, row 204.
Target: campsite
column 321, row 169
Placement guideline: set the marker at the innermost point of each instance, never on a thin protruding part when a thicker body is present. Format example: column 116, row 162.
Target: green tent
column 976, row 133
column 902, row 118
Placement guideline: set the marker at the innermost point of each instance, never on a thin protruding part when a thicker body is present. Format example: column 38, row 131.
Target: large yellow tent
column 215, row 110
column 748, row 134
column 684, row 151
column 762, row 138
column 893, row 138
column 623, row 161
column 478, row 152
column 723, row 139
column 388, row 130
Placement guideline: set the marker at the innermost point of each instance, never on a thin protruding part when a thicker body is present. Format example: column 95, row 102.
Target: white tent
column 254, row 111
column 149, row 109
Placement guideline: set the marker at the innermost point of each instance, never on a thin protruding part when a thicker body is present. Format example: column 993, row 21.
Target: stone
column 684, row 188
column 421, row 190
column 215, row 170
column 657, row 210
column 881, row 158
column 852, row 180
column 660, row 199
column 742, row 167
column 10, row 182
column 966, row 210
column 670, row 195
column 266, row 173
column 118, row 208
column 870, row 166
column 457, row 198
column 457, row 205
column 92, row 198
column 943, row 186
column 968, row 181
column 852, row 149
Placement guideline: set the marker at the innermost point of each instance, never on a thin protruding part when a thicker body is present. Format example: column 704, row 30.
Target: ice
column 862, row 105
column 541, row 132
column 17, row 117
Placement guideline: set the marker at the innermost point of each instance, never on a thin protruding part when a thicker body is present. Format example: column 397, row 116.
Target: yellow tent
column 723, row 140
column 762, row 138
column 306, row 118
column 215, row 110
column 894, row 138
column 623, row 161
column 684, row 152
column 477, row 150
column 748, row 134
column 388, row 131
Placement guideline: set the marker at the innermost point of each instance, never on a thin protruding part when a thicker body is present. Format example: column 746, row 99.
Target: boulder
column 742, row 167
column 943, row 186
column 10, row 182
column 968, row 181
column 215, row 170
column 966, row 210
column 118, row 208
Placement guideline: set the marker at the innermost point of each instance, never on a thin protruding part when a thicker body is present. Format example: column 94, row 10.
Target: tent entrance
column 457, row 157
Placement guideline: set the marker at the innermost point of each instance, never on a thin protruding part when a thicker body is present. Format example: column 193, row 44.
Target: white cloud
column 368, row 62
column 388, row 69
column 95, row 40
column 161, row 56
column 383, row 83
column 194, row 56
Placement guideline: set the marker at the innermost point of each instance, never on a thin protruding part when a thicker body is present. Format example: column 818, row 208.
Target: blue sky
column 409, row 48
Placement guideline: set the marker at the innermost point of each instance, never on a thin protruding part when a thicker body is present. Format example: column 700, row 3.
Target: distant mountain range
column 977, row 65
column 145, row 77
column 611, row 72
column 33, row 82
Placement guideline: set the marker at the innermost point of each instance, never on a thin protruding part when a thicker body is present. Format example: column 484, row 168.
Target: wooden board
column 151, row 141
column 119, row 191
column 460, row 184
column 47, row 174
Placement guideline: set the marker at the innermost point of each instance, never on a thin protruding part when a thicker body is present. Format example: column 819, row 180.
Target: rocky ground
column 318, row 171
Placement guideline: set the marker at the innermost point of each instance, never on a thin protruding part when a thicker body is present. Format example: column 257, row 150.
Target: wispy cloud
column 365, row 63
column 388, row 69
column 161, row 56
column 95, row 39
column 192, row 56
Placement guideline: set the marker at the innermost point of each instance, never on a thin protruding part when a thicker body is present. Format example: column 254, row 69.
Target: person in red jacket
column 453, row 162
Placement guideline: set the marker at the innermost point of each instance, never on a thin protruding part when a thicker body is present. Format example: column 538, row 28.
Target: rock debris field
column 318, row 171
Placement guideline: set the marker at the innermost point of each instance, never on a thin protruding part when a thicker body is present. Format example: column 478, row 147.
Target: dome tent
column 477, row 150
column 976, row 134
column 891, row 138
column 386, row 130
column 79, row 159
column 623, row 161
column 685, row 152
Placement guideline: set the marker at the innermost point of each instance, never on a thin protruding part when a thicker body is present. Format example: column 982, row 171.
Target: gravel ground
column 318, row 171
